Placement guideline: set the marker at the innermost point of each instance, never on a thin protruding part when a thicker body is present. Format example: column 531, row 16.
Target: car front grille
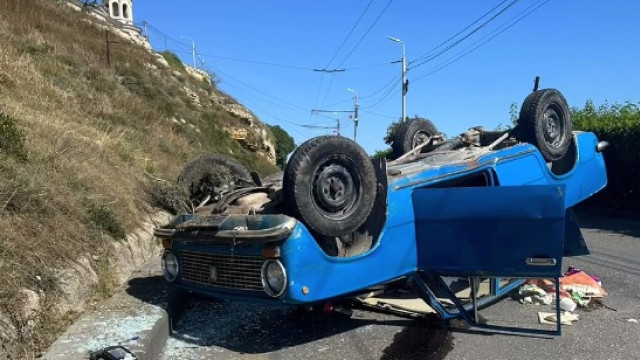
column 234, row 272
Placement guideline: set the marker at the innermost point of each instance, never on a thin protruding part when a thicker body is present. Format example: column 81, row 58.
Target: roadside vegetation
column 284, row 144
column 84, row 148
column 618, row 124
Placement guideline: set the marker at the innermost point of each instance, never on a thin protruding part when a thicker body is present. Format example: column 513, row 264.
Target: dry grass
column 93, row 135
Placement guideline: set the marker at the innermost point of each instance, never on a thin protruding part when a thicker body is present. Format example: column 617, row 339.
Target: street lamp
column 193, row 49
column 355, row 117
column 405, row 86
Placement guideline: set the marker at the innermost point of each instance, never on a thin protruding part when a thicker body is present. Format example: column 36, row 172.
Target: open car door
column 490, row 232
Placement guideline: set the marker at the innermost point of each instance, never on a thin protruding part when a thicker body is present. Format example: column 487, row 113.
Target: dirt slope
column 82, row 146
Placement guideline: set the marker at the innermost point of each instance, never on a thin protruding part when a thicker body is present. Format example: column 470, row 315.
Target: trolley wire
column 455, row 43
column 458, row 33
column 506, row 26
column 349, row 34
column 366, row 33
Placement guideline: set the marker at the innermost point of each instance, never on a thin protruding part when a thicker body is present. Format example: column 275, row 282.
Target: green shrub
column 386, row 153
column 173, row 60
column 12, row 138
column 619, row 124
column 104, row 220
column 37, row 49
column 6, row 81
column 284, row 144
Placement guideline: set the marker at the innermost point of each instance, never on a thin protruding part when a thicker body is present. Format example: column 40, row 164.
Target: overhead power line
column 366, row 33
column 387, row 92
column 455, row 43
column 315, row 102
column 288, row 66
column 352, row 50
column 187, row 47
column 298, row 107
column 166, row 37
column 384, row 99
column 339, row 102
column 377, row 114
column 504, row 27
column 391, row 83
column 250, row 100
column 349, row 34
column 459, row 32
column 326, row 94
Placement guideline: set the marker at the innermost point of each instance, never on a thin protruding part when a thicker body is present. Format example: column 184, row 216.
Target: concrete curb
column 137, row 318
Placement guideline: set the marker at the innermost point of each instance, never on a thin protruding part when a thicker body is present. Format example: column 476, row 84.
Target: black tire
column 410, row 134
column 545, row 121
column 201, row 175
column 330, row 183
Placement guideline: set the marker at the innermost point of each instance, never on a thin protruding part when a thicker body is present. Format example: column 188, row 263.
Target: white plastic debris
column 532, row 294
column 567, row 304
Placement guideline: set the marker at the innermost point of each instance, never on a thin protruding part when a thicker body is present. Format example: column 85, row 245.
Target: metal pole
column 193, row 52
column 355, row 121
column 338, row 126
column 193, row 49
column 108, row 44
column 404, row 85
column 146, row 30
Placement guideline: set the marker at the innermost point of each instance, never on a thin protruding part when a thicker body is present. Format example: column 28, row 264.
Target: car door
column 501, row 231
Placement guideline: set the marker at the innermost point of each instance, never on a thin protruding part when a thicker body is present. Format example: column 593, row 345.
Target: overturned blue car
column 485, row 209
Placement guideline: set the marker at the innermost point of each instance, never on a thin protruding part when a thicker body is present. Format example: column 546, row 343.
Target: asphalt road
column 234, row 330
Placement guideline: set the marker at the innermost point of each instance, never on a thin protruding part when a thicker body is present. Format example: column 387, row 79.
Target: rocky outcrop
column 198, row 74
column 137, row 248
column 76, row 283
column 8, row 333
column 253, row 134
column 192, row 96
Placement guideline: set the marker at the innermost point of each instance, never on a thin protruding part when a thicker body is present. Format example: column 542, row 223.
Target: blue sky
column 587, row 49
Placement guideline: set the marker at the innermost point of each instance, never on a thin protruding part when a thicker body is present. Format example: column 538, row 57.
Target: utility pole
column 193, row 54
column 355, row 115
column 337, row 119
column 108, row 45
column 355, row 120
column 193, row 50
column 146, row 30
column 405, row 82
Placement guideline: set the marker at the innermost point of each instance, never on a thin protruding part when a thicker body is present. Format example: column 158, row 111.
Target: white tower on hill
column 121, row 10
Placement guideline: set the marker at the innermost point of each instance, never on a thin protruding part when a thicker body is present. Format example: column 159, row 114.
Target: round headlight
column 170, row 266
column 274, row 278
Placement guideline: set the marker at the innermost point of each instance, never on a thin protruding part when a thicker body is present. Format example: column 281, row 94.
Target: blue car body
column 516, row 224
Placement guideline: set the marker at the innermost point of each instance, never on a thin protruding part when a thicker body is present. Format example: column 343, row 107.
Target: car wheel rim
column 419, row 138
column 213, row 183
column 336, row 190
column 554, row 124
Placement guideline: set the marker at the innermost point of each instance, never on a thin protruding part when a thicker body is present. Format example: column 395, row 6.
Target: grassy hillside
column 81, row 143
